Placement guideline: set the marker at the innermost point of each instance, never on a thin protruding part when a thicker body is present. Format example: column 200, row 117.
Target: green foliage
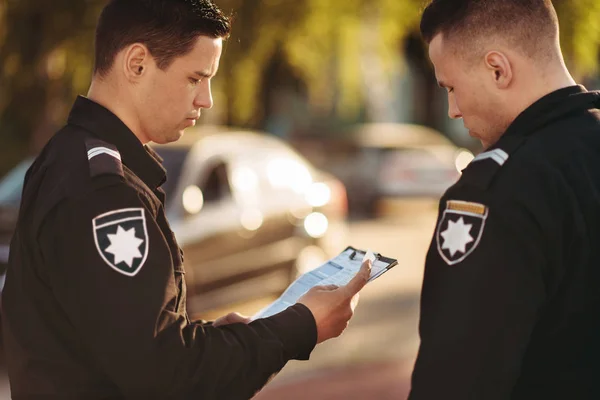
column 46, row 55
column 580, row 35
column 323, row 41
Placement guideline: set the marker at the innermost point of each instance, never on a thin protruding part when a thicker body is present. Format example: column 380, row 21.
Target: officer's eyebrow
column 203, row 74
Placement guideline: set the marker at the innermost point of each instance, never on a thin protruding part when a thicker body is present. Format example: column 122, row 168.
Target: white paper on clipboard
column 337, row 271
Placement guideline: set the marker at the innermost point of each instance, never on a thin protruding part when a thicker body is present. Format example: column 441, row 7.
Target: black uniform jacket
column 94, row 303
column 511, row 294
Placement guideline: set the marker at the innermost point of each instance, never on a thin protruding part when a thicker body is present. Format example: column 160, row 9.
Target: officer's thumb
column 360, row 280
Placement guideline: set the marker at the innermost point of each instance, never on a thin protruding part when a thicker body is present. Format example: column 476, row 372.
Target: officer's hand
column 231, row 318
column 332, row 306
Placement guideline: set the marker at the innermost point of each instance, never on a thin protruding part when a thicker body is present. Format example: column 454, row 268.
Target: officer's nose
column 204, row 98
column 453, row 110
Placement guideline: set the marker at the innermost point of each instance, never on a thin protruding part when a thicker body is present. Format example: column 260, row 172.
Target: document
column 338, row 271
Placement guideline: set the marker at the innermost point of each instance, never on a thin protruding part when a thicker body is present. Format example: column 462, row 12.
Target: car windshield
column 11, row 185
column 173, row 159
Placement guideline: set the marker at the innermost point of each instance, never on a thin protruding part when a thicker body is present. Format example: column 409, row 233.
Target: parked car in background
column 248, row 211
column 11, row 186
column 382, row 163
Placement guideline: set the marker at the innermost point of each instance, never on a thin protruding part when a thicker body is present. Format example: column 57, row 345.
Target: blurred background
column 328, row 130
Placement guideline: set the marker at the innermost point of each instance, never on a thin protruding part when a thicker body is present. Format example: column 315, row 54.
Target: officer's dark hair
column 168, row 28
column 526, row 24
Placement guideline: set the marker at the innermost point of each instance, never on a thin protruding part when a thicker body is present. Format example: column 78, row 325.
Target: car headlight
column 318, row 194
column 251, row 219
column 193, row 200
column 463, row 159
column 316, row 225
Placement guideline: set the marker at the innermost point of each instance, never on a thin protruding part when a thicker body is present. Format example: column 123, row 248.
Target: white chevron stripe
column 96, row 151
column 111, row 153
column 498, row 155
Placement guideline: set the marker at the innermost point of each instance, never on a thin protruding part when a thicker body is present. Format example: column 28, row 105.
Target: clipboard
column 377, row 257
column 337, row 271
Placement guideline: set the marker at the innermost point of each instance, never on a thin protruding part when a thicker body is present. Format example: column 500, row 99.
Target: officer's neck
column 539, row 84
column 555, row 78
column 109, row 96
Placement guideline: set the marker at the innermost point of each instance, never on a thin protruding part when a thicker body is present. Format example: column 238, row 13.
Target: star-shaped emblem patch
column 121, row 238
column 124, row 246
column 457, row 236
column 460, row 230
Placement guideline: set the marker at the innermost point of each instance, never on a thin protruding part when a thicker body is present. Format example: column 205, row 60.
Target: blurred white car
column 249, row 213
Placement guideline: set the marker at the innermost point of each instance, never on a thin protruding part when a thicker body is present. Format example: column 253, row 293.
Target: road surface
column 373, row 359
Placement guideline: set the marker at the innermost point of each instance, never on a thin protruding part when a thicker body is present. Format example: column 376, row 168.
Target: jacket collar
column 105, row 125
column 553, row 106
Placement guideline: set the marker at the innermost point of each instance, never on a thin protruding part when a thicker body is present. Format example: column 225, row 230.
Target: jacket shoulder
column 522, row 167
column 72, row 164
column 482, row 172
column 103, row 158
column 74, row 159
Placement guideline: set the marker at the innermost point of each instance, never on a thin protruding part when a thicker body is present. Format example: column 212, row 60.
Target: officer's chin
column 176, row 136
column 484, row 143
column 169, row 139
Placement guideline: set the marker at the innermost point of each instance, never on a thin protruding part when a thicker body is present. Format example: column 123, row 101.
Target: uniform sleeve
column 482, row 292
column 112, row 274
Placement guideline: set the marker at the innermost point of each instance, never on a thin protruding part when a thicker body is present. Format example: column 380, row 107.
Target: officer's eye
column 450, row 90
column 194, row 81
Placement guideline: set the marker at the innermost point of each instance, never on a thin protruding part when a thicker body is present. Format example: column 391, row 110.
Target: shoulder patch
column 103, row 158
column 121, row 239
column 460, row 230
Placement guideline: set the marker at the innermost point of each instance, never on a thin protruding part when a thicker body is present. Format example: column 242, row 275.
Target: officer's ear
column 499, row 68
column 136, row 61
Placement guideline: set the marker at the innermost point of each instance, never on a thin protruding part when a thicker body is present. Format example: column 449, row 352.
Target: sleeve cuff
column 298, row 331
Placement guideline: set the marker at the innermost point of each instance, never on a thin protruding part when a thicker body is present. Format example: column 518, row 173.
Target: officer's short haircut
column 169, row 28
column 528, row 25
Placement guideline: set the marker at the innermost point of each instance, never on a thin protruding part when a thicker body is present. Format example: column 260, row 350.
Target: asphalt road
column 374, row 357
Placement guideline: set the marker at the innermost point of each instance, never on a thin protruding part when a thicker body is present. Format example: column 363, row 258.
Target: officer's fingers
column 327, row 288
column 236, row 318
column 220, row 321
column 354, row 301
column 360, row 280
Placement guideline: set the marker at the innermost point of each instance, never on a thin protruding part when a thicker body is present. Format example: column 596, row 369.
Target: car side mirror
column 193, row 200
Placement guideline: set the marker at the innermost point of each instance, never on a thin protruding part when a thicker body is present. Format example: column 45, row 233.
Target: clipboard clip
column 356, row 251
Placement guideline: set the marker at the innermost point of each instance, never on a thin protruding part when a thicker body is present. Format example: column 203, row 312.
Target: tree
column 45, row 57
column 580, row 35
column 344, row 51
column 326, row 42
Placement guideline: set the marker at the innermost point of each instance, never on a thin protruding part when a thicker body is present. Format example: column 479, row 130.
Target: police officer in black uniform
column 510, row 299
column 94, row 302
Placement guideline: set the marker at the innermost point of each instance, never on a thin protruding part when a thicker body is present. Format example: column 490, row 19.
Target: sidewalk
column 383, row 381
